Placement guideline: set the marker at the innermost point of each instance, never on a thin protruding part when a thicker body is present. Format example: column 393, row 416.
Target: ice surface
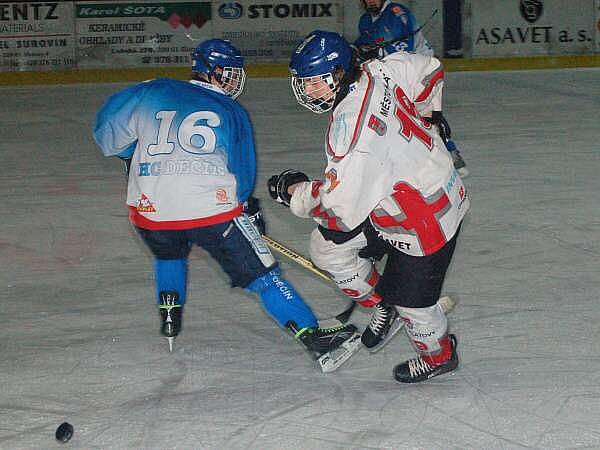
column 79, row 330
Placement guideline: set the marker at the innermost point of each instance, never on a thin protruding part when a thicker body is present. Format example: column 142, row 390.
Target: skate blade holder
column 332, row 360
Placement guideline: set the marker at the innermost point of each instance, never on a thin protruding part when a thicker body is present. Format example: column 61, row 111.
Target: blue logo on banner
column 231, row 10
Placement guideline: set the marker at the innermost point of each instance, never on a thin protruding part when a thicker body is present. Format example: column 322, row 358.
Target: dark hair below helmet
column 322, row 55
column 219, row 53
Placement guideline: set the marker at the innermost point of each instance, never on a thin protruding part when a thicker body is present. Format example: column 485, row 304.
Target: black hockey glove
column 374, row 250
column 252, row 210
column 438, row 119
column 366, row 52
column 376, row 247
column 279, row 184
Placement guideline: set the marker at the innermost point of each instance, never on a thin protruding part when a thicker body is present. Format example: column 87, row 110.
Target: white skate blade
column 330, row 361
column 171, row 341
column 394, row 328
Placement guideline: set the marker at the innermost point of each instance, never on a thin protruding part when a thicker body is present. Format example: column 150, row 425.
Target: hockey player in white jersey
column 190, row 148
column 388, row 27
column 389, row 188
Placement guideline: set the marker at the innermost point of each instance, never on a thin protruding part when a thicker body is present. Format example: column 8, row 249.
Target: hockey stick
column 295, row 256
column 331, row 360
column 412, row 33
column 308, row 265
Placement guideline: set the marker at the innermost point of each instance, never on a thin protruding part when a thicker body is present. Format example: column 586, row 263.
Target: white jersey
column 386, row 163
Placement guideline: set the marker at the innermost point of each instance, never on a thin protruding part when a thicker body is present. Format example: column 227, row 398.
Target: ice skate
column 418, row 369
column 385, row 323
column 171, row 316
column 330, row 347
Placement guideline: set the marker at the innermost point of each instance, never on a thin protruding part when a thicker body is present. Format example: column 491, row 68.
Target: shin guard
column 281, row 301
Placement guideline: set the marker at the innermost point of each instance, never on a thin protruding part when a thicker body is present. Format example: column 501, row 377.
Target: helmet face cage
column 220, row 59
column 317, row 66
column 232, row 80
column 317, row 93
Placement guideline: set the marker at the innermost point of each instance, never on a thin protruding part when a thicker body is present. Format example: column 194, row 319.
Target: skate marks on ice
column 81, row 342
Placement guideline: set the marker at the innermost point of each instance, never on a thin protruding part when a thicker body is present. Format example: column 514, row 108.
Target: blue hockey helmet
column 219, row 59
column 317, row 67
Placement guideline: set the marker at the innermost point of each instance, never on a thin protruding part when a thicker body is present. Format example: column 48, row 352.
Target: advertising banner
column 269, row 31
column 531, row 27
column 36, row 36
column 140, row 34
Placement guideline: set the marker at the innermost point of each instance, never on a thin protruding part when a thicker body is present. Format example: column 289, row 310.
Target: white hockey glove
column 278, row 185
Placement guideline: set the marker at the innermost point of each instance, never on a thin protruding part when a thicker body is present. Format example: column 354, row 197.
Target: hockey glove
column 374, row 250
column 438, row 119
column 279, row 184
column 376, row 247
column 252, row 210
column 366, row 52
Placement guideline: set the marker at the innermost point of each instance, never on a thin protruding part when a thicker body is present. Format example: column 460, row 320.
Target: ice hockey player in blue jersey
column 189, row 147
column 388, row 27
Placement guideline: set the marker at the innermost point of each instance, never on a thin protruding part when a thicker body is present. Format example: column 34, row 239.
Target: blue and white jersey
column 395, row 24
column 191, row 149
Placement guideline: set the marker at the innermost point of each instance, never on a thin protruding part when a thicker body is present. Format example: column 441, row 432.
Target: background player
column 190, row 146
column 388, row 27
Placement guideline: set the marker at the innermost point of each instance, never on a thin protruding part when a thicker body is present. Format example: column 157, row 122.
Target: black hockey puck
column 64, row 432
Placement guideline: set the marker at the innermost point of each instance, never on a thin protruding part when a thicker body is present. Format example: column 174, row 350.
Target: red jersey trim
column 359, row 120
column 140, row 221
column 435, row 79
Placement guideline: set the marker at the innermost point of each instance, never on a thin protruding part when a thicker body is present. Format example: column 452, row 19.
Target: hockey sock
column 427, row 328
column 171, row 275
column 281, row 301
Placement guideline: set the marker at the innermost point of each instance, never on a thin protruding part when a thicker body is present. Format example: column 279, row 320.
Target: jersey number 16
column 193, row 138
